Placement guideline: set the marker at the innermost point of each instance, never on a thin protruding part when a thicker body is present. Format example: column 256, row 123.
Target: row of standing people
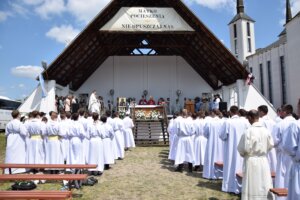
column 71, row 139
column 205, row 140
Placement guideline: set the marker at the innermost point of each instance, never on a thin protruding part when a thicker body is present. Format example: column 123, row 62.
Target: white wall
column 272, row 55
column 162, row 76
column 242, row 39
column 293, row 61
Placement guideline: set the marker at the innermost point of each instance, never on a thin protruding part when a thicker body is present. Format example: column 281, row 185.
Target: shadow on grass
column 203, row 183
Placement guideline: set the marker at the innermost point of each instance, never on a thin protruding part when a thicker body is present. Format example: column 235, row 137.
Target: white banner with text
column 146, row 19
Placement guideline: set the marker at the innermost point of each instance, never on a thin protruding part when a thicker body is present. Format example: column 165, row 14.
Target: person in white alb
column 107, row 138
column 199, row 141
column 233, row 163
column 291, row 146
column 53, row 148
column 64, row 129
column 95, row 153
column 15, row 133
column 35, row 150
column 128, row 135
column 185, row 147
column 269, row 124
column 254, row 146
column 94, row 105
column 118, row 127
column 77, row 135
column 284, row 161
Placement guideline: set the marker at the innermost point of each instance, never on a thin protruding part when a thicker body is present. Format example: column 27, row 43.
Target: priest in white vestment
column 233, row 162
column 128, row 134
column 94, row 103
column 291, row 146
column 284, row 161
column 269, row 124
column 15, row 133
column 214, row 147
column 254, row 146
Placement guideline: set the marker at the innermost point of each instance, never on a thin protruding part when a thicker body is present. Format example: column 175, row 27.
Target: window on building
column 248, row 29
column 236, row 47
column 270, row 84
column 249, row 45
column 235, row 31
column 283, row 79
column 261, row 73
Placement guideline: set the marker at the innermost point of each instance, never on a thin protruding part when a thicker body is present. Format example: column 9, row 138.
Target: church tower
column 242, row 37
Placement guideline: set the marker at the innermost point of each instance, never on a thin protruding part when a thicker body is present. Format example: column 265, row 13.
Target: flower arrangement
column 154, row 114
column 140, row 114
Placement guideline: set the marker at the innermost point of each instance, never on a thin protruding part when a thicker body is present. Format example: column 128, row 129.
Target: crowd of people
column 250, row 143
column 78, row 138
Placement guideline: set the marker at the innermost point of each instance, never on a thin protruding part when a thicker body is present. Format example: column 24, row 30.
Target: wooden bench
column 240, row 175
column 281, row 192
column 26, row 177
column 35, row 194
column 10, row 166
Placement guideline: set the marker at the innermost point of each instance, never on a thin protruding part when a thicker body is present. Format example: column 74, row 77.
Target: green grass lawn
column 145, row 173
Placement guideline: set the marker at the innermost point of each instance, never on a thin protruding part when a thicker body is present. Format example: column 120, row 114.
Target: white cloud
column 214, row 4
column 19, row 9
column 27, row 71
column 63, row 34
column 32, row 2
column 295, row 6
column 21, row 85
column 50, row 7
column 84, row 11
column 4, row 15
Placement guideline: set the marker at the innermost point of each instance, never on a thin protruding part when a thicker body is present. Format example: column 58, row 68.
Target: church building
column 159, row 47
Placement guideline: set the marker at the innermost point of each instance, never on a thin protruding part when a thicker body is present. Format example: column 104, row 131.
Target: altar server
column 86, row 139
column 174, row 129
column 107, row 138
column 64, row 129
column 233, row 162
column 214, row 146
column 185, row 147
column 35, row 150
column 15, row 133
column 118, row 127
column 269, row 124
column 291, row 145
column 284, row 161
column 128, row 135
column 53, row 148
column 199, row 140
column 110, row 121
column 95, row 154
column 254, row 146
column 77, row 135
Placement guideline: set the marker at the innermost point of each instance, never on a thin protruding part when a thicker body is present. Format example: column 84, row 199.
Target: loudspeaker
column 75, row 107
column 223, row 106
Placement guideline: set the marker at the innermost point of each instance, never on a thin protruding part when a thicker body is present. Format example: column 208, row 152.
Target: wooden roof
column 201, row 49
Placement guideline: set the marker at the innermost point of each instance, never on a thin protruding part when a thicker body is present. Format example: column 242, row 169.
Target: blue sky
column 36, row 30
